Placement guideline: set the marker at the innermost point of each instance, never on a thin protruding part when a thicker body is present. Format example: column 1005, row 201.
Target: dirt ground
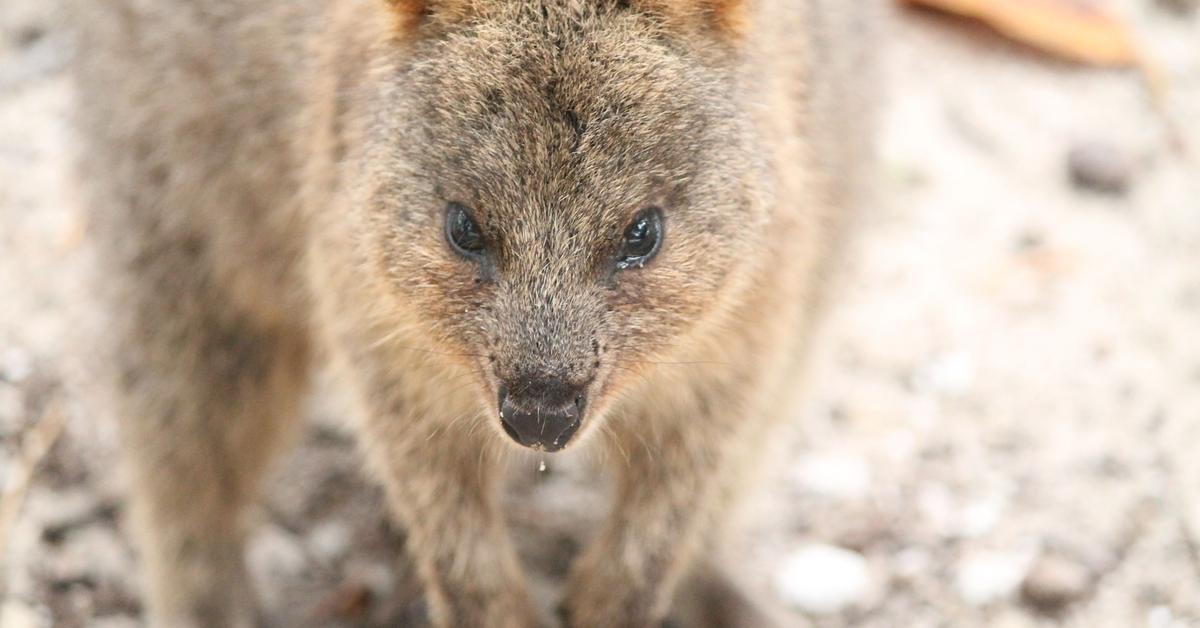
column 1005, row 402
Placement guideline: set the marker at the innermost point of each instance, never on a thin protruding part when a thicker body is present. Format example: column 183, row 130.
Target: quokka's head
column 563, row 191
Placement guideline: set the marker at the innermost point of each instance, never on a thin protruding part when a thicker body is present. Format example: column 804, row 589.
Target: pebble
column 329, row 541
column 16, row 365
column 273, row 557
column 912, row 563
column 379, row 578
column 1179, row 7
column 114, row 621
column 938, row 509
column 1100, row 167
column 841, row 476
column 823, row 579
column 60, row 512
column 12, row 409
column 274, row 552
column 986, row 577
column 951, row 373
column 96, row 552
column 979, row 516
column 1054, row 582
column 1160, row 617
column 14, row 614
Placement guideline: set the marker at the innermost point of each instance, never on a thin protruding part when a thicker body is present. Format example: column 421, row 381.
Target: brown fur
column 269, row 179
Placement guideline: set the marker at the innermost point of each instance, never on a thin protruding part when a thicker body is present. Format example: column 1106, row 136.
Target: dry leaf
column 350, row 600
column 1075, row 29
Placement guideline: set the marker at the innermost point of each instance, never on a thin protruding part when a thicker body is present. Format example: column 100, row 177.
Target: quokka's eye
column 643, row 238
column 462, row 232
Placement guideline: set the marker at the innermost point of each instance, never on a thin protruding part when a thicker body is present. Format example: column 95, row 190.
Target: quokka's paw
column 711, row 598
column 207, row 618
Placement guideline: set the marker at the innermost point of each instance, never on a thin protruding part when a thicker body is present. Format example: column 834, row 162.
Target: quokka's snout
column 541, row 383
column 545, row 358
column 542, row 414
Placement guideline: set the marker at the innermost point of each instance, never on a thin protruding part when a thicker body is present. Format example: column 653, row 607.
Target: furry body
column 268, row 180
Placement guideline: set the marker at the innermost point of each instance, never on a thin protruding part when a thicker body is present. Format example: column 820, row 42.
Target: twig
column 34, row 447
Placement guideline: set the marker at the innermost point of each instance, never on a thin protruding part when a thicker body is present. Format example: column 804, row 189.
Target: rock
column 14, row 614
column 1160, row 617
column 96, row 552
column 938, row 509
column 823, row 579
column 862, row 530
column 60, row 513
column 949, row 374
column 274, row 552
column 979, row 516
column 1054, row 582
column 12, row 409
column 114, row 621
column 16, row 365
column 29, row 35
column 1179, row 7
column 986, row 577
column 912, row 563
column 329, row 541
column 350, row 601
column 381, row 579
column 1100, row 167
column 274, row 556
column 841, row 476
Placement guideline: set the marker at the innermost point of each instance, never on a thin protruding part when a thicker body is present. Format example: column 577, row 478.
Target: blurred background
column 1004, row 423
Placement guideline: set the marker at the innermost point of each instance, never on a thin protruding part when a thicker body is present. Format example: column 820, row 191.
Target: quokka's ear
column 726, row 18
column 411, row 13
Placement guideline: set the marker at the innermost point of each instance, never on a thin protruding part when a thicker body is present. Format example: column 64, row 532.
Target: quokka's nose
column 541, row 415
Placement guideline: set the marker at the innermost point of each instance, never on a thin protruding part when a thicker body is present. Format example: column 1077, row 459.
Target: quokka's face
column 562, row 196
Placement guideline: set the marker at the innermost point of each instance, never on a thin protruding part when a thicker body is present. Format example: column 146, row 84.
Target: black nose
column 541, row 415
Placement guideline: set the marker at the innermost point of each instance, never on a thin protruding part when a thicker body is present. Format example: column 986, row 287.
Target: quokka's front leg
column 205, row 401
column 441, row 477
column 673, row 484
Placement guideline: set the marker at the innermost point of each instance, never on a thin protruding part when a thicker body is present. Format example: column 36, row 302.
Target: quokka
column 559, row 225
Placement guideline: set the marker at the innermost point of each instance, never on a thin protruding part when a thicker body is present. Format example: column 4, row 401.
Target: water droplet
column 542, row 466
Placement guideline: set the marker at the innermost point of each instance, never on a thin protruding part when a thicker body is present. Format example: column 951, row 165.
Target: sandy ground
column 1005, row 406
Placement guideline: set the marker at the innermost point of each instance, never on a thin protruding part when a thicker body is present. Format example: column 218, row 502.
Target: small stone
column 12, row 409
column 114, row 621
column 823, row 579
column 14, row 614
column 980, row 516
column 30, row 35
column 938, row 509
column 62, row 512
column 840, row 476
column 862, row 531
column 351, row 600
column 987, row 577
column 1160, row 617
column 274, row 552
column 1100, row 167
column 329, row 541
column 379, row 578
column 1030, row 241
column 273, row 557
column 951, row 373
column 912, row 562
column 15, row 365
column 95, row 552
column 1054, row 582
column 1179, row 7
